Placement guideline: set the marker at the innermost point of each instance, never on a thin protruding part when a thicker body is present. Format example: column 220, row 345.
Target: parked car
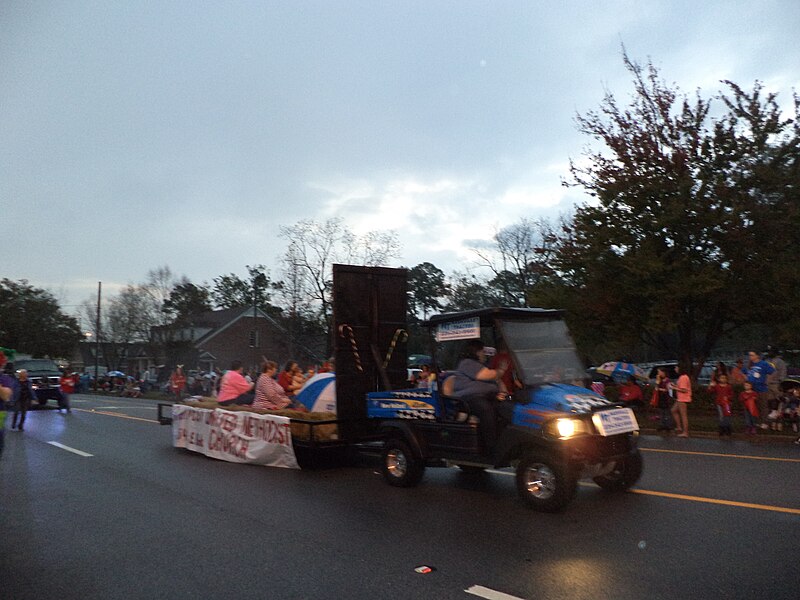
column 703, row 378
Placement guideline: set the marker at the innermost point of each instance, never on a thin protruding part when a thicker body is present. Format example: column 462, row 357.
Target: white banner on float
column 235, row 436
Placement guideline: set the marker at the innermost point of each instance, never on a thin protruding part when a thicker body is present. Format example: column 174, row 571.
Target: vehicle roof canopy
column 488, row 315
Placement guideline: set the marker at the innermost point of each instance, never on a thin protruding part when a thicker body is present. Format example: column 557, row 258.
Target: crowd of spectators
column 757, row 388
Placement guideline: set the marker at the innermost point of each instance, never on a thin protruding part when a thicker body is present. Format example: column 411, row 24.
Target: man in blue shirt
column 756, row 372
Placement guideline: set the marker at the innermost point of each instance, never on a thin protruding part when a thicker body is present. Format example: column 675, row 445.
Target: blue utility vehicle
column 554, row 432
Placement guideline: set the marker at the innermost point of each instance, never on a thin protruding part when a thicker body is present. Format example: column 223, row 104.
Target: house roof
column 220, row 320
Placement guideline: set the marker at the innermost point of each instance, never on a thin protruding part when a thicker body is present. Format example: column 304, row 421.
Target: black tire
column 625, row 474
column 41, row 401
column 399, row 466
column 545, row 484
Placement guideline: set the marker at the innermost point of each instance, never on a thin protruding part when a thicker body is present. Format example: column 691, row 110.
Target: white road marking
column 489, row 594
column 68, row 449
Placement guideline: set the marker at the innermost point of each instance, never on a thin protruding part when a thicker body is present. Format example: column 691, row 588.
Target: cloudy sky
column 136, row 134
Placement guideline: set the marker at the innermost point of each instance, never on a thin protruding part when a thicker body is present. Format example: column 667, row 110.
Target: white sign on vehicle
column 465, row 329
column 615, row 421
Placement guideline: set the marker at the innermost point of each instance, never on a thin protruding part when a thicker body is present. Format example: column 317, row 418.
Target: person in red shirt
column 723, row 398
column 177, row 382
column 68, row 382
column 737, row 375
column 749, row 399
column 509, row 383
column 269, row 394
column 288, row 378
column 631, row 394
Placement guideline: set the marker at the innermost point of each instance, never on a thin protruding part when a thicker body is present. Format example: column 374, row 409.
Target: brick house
column 213, row 339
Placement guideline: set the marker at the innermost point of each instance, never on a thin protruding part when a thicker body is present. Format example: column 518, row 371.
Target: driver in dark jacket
column 477, row 386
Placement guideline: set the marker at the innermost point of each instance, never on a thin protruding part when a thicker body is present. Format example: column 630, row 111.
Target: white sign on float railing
column 459, row 330
column 234, row 436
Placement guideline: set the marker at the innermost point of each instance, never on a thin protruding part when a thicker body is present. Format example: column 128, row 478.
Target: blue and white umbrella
column 115, row 374
column 622, row 370
column 318, row 394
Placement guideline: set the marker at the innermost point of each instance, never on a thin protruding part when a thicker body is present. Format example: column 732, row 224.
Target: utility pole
column 97, row 339
column 254, row 334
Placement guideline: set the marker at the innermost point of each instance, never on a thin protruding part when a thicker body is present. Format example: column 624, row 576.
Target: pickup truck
column 44, row 376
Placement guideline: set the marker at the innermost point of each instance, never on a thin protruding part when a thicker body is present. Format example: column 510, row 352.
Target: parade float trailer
column 555, row 433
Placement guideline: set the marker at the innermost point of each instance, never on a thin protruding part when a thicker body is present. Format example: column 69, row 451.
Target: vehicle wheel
column 399, row 465
column 41, row 401
column 544, row 484
column 625, row 474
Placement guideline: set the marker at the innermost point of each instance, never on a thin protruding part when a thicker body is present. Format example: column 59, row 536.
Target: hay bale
column 322, row 433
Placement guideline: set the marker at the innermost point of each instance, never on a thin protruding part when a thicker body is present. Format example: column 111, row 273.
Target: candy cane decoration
column 353, row 345
column 397, row 334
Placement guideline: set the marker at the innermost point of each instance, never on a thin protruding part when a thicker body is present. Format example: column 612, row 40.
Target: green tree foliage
column 693, row 230
column 426, row 289
column 468, row 292
column 32, row 322
column 186, row 300
column 231, row 291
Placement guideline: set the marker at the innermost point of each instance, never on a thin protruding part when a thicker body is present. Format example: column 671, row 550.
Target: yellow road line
column 782, row 509
column 795, row 460
column 112, row 414
column 791, row 511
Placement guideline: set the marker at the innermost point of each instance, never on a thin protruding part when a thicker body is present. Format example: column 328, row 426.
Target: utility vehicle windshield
column 543, row 350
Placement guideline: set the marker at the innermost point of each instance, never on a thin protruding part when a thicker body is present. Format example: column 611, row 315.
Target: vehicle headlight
column 566, row 428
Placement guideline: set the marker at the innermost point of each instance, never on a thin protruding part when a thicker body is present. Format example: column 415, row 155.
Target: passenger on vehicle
column 269, row 394
column 287, row 378
column 234, row 388
column 508, row 382
column 425, row 377
column 477, row 385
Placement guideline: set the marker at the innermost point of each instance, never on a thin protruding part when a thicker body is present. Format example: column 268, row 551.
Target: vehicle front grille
column 596, row 448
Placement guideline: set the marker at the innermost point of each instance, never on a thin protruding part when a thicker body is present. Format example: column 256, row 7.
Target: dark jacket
column 18, row 385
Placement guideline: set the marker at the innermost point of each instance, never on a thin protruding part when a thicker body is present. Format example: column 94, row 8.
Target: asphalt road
column 132, row 517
